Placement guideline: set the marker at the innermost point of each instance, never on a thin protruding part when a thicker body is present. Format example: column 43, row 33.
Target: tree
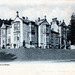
column 71, row 31
column 72, row 37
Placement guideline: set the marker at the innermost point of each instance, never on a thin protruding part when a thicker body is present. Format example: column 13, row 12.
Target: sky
column 62, row 9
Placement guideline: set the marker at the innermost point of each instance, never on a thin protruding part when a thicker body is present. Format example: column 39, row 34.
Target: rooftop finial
column 17, row 14
column 63, row 20
column 45, row 16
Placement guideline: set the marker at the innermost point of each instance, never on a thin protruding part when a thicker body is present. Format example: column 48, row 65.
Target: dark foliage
column 7, row 57
column 5, row 21
column 72, row 32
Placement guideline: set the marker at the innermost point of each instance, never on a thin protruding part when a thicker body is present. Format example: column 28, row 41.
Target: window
column 17, row 38
column 32, row 27
column 14, row 38
column 47, row 25
column 9, row 40
column 56, row 41
column 47, row 34
column 3, row 41
column 3, row 32
column 56, row 35
column 16, row 27
column 9, row 31
column 51, row 35
column 51, row 41
column 30, row 42
column 47, row 43
column 33, row 32
column 44, row 30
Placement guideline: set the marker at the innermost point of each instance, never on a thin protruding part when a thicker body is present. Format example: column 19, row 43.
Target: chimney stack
column 38, row 18
column 26, row 18
column 23, row 17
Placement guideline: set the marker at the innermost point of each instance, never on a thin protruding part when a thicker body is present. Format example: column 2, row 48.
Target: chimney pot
column 38, row 18
column 26, row 18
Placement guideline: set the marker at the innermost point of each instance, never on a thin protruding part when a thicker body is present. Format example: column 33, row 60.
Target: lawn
column 26, row 54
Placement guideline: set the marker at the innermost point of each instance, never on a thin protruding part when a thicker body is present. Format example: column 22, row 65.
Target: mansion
column 39, row 33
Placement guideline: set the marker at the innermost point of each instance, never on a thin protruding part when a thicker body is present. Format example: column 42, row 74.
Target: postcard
column 37, row 37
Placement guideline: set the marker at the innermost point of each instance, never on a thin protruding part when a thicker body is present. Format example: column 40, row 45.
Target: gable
column 17, row 19
column 44, row 22
column 3, row 26
column 63, row 24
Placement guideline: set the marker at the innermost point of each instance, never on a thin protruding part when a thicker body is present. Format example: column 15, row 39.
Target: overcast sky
column 37, row 8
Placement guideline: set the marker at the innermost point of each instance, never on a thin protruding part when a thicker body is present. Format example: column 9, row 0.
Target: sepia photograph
column 37, row 35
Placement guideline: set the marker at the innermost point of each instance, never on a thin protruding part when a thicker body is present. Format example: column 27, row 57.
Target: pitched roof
column 63, row 24
column 6, row 22
column 3, row 26
column 42, row 21
column 26, row 21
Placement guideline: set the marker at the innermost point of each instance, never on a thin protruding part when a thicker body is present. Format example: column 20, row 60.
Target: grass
column 26, row 54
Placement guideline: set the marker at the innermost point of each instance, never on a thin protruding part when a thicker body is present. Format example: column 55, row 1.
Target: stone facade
column 21, row 30
column 55, row 34
column 63, row 35
column 33, row 34
column 44, row 33
column 25, row 33
column 55, row 40
column 3, row 36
